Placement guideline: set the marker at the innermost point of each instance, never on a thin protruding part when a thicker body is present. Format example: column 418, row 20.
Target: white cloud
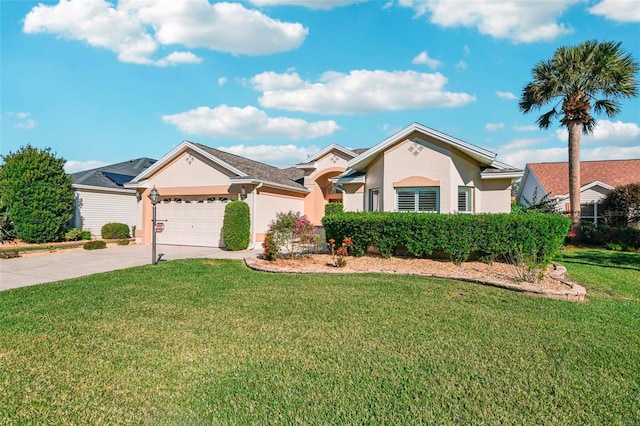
column 493, row 127
column 246, row 123
column 72, row 166
column 311, row 4
column 527, row 128
column 519, row 21
column 461, row 65
column 506, row 95
column 22, row 120
column 135, row 30
column 27, row 124
column 424, row 59
column 466, row 50
column 360, row 91
column 274, row 155
column 618, row 10
column 608, row 132
column 222, row 81
column 521, row 157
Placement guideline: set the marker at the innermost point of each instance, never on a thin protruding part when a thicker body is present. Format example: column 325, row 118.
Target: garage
column 191, row 221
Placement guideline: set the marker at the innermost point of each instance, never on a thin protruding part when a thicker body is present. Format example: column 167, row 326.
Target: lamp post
column 154, row 195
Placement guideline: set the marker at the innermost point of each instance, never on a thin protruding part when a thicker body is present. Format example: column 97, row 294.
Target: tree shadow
column 605, row 259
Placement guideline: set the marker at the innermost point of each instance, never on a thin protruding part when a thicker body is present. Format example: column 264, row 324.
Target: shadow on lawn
column 605, row 259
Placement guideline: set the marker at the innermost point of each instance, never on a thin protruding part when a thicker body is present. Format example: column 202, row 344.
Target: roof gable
column 479, row 154
column 554, row 177
column 309, row 162
column 244, row 169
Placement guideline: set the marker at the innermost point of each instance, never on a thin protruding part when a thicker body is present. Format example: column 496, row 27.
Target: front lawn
column 212, row 342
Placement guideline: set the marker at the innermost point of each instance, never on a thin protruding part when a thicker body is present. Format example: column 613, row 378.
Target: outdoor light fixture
column 154, row 195
column 243, row 193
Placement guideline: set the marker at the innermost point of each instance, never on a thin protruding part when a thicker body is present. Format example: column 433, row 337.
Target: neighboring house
column 417, row 169
column 100, row 196
column 597, row 179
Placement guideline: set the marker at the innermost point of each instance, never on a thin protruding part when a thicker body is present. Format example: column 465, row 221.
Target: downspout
column 253, row 216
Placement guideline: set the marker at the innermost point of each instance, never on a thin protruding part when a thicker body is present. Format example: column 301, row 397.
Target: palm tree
column 593, row 73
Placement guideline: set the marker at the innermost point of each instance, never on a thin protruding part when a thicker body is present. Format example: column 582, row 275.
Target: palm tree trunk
column 575, row 130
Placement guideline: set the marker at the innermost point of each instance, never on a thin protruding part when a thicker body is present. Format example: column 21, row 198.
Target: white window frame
column 468, row 191
column 376, row 207
column 416, row 203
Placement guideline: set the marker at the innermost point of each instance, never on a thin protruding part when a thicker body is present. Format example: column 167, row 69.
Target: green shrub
column 487, row 236
column 115, row 231
column 94, row 245
column 611, row 237
column 236, row 227
column 333, row 208
column 37, row 194
column 73, row 234
column 86, row 235
column 123, row 242
column 621, row 206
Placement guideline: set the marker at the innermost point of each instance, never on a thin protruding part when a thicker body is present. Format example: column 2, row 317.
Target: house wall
column 94, row 209
column 269, row 203
column 188, row 169
column 432, row 160
column 330, row 165
column 495, row 196
column 374, row 180
column 529, row 187
column 353, row 197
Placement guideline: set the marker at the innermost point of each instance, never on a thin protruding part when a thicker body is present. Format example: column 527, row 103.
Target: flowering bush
column 292, row 232
column 341, row 252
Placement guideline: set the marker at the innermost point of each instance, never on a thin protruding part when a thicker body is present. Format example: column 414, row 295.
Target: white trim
column 589, row 186
column 178, row 150
column 480, row 154
column 501, row 175
column 80, row 187
column 267, row 183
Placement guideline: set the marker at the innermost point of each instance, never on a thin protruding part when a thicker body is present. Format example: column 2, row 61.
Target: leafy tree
column 593, row 73
column 37, row 194
column 622, row 205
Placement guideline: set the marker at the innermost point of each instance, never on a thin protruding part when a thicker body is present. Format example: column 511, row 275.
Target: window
column 591, row 212
column 374, row 200
column 465, row 199
column 426, row 199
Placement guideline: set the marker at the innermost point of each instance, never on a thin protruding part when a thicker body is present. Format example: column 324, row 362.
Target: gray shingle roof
column 254, row 169
column 113, row 175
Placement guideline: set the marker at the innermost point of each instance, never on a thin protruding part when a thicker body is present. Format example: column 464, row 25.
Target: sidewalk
column 30, row 270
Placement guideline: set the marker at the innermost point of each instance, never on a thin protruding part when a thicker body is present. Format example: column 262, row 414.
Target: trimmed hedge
column 333, row 208
column 95, row 245
column 236, row 226
column 459, row 236
column 115, row 231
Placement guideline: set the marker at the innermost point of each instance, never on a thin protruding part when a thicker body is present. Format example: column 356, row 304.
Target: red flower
column 572, row 234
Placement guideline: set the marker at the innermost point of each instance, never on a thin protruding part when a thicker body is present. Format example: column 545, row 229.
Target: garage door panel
column 192, row 221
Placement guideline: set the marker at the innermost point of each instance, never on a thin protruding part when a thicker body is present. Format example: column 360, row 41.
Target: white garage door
column 191, row 221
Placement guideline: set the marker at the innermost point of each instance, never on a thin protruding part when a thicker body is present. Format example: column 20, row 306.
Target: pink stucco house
column 416, row 169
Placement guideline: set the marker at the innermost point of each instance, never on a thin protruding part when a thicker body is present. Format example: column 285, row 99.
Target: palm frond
column 544, row 121
column 607, row 106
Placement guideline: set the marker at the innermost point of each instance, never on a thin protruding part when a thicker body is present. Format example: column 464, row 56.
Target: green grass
column 211, row 342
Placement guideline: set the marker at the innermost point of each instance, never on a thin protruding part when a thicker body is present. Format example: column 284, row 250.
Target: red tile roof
column 554, row 177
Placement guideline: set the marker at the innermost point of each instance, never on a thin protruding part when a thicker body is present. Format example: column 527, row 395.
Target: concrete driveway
column 25, row 271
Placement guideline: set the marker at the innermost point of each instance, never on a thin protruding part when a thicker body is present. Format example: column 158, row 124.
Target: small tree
column 621, row 206
column 37, row 194
column 295, row 233
column 236, row 227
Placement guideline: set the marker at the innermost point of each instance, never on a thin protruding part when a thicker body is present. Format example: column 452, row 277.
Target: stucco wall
column 353, row 197
column 269, row 203
column 496, row 196
column 189, row 169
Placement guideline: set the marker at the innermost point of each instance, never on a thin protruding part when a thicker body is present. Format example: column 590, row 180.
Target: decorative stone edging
column 575, row 292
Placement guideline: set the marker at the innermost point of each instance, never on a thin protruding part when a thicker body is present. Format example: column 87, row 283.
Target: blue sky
column 276, row 80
